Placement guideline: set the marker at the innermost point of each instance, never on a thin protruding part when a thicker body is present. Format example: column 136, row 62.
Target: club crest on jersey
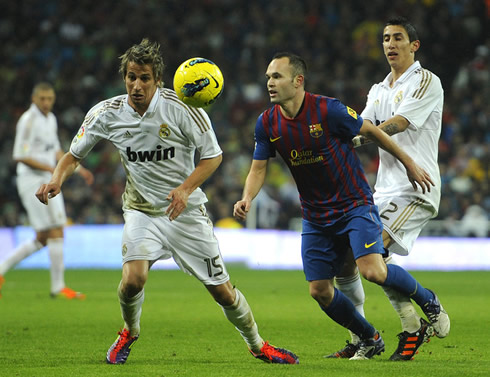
column 398, row 97
column 164, row 131
column 352, row 112
column 316, row 130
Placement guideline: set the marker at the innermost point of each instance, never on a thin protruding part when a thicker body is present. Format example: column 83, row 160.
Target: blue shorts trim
column 324, row 246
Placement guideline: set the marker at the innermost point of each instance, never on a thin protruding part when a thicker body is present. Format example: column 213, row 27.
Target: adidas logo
column 127, row 135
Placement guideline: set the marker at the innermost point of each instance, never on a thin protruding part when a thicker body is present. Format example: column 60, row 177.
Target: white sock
column 57, row 270
column 351, row 286
column 241, row 316
column 19, row 254
column 131, row 308
column 402, row 304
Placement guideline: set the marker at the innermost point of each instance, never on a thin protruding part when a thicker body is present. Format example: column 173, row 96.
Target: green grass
column 184, row 333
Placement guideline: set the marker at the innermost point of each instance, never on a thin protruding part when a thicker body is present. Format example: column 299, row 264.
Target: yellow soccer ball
column 198, row 82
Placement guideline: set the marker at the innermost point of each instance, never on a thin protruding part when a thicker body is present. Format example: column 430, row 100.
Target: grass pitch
column 184, row 333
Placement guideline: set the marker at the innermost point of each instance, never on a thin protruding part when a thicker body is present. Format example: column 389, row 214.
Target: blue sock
column 342, row 311
column 402, row 281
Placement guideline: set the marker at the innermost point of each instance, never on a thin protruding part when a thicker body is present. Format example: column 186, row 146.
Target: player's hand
column 359, row 140
column 47, row 191
column 178, row 202
column 418, row 175
column 241, row 208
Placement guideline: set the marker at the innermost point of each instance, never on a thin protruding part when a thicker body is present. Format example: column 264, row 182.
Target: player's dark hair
column 407, row 25
column 296, row 61
column 146, row 52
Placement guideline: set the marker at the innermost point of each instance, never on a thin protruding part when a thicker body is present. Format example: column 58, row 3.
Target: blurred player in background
column 407, row 104
column 157, row 136
column 313, row 133
column 36, row 150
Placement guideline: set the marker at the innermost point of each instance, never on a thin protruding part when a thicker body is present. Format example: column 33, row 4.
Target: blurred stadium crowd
column 76, row 44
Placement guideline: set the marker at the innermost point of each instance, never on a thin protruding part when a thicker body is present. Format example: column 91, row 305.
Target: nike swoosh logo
column 368, row 245
column 215, row 81
column 275, row 139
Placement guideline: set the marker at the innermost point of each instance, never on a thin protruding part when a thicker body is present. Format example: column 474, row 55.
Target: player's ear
column 415, row 45
column 299, row 80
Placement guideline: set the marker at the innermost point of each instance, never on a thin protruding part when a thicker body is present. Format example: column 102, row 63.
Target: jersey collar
column 151, row 106
column 38, row 111
column 386, row 82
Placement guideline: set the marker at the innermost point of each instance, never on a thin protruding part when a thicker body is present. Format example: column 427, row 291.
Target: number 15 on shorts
column 214, row 267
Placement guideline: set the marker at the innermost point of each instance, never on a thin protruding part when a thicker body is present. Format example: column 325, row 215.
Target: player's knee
column 372, row 268
column 223, row 294
column 132, row 286
column 225, row 299
column 42, row 238
column 374, row 275
column 322, row 295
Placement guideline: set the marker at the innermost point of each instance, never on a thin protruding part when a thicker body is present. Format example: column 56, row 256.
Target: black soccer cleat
column 345, row 353
column 409, row 343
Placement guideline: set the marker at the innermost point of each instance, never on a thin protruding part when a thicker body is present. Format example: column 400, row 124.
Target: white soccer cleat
column 368, row 348
column 437, row 316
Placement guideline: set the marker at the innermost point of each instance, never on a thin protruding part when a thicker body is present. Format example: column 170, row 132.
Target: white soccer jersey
column 36, row 137
column 157, row 149
column 417, row 96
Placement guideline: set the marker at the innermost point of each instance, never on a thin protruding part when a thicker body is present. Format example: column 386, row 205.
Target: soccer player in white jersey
column 407, row 105
column 157, row 136
column 36, row 150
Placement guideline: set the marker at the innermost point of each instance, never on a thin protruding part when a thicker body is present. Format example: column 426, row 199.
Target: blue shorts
column 324, row 246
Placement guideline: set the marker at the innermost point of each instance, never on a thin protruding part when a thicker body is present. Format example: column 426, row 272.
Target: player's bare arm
column 253, row 184
column 414, row 172
column 66, row 166
column 392, row 126
column 178, row 197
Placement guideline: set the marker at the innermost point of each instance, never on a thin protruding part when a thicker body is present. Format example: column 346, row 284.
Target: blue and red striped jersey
column 316, row 145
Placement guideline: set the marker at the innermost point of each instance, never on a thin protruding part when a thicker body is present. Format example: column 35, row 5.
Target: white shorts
column 189, row 240
column 403, row 218
column 41, row 217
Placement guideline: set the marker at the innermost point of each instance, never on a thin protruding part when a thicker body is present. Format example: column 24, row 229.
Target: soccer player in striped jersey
column 36, row 150
column 313, row 134
column 157, row 137
column 407, row 104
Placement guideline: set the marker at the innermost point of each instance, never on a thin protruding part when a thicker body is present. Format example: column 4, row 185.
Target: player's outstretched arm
column 178, row 196
column 65, row 167
column 253, row 184
column 84, row 173
column 414, row 172
column 392, row 126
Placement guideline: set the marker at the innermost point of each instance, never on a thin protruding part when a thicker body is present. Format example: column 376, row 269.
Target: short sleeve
column 263, row 147
column 89, row 133
column 342, row 120
column 425, row 97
